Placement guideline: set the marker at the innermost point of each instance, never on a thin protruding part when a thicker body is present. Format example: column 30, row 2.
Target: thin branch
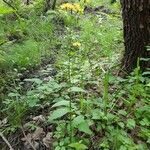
column 6, row 141
column 27, row 139
column 5, row 1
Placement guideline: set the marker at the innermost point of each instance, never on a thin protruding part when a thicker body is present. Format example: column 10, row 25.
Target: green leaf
column 78, row 146
column 145, row 59
column 121, row 124
column 61, row 103
column 96, row 114
column 35, row 80
column 148, row 84
column 32, row 102
column 78, row 120
column 76, row 89
column 122, row 112
column 64, row 103
column 131, row 123
column 146, row 73
column 5, row 10
column 84, row 127
column 58, row 113
column 145, row 122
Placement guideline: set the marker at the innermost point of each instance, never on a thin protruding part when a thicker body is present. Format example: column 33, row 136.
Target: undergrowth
column 86, row 105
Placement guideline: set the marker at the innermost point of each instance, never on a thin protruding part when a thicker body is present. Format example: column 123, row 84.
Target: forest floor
column 60, row 85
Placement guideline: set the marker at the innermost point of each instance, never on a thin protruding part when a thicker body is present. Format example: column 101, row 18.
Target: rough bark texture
column 54, row 4
column 136, row 22
column 47, row 5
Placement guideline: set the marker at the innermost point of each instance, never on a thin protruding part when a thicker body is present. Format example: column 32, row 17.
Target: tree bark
column 136, row 25
column 47, row 5
column 28, row 2
column 54, row 5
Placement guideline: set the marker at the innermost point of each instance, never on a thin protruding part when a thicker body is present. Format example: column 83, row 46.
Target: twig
column 15, row 10
column 9, row 4
column 6, row 141
column 27, row 139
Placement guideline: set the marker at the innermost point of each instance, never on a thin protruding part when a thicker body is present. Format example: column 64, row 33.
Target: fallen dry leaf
column 47, row 141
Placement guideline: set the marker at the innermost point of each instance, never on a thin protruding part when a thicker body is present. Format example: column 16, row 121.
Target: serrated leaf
column 78, row 120
column 96, row 114
column 78, row 146
column 54, row 85
column 145, row 122
column 59, row 113
column 84, row 127
column 32, row 102
column 131, row 123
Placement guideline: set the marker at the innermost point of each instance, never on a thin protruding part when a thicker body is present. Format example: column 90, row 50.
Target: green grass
column 31, row 41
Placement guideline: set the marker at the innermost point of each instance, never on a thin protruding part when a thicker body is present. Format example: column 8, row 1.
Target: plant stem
column 70, row 102
column 105, row 96
column 6, row 141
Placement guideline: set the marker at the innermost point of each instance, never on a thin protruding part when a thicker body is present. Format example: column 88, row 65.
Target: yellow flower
column 66, row 6
column 73, row 7
column 78, row 8
column 76, row 44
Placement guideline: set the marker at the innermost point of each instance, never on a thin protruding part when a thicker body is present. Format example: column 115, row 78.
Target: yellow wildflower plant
column 66, row 6
column 72, row 7
column 76, row 44
column 77, row 8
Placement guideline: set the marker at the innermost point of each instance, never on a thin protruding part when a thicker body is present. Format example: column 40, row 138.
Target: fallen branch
column 27, row 139
column 6, row 141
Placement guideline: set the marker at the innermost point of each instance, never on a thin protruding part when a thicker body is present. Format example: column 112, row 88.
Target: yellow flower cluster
column 76, row 44
column 73, row 7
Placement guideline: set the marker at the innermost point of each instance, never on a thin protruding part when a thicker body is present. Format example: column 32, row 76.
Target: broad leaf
column 78, row 146
column 61, row 103
column 84, row 127
column 58, row 113
column 4, row 10
column 32, row 102
column 76, row 89
column 78, row 120
column 131, row 123
column 64, row 103
column 148, row 84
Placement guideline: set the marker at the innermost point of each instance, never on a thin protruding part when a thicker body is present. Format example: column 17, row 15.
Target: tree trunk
column 136, row 24
column 47, row 5
column 54, row 5
column 28, row 1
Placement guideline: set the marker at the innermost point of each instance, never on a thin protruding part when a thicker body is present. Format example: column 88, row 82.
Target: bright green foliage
column 5, row 10
column 78, row 146
column 58, row 113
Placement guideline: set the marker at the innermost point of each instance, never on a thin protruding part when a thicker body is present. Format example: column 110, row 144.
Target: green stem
column 70, row 103
column 105, row 96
